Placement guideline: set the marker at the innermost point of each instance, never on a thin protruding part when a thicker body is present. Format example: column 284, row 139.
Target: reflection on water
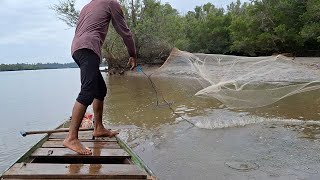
column 81, row 169
column 75, row 168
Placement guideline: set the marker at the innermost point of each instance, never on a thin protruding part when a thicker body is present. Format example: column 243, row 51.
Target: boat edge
column 135, row 158
column 31, row 150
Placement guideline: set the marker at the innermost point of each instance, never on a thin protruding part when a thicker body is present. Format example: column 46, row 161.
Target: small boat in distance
column 103, row 68
column 111, row 158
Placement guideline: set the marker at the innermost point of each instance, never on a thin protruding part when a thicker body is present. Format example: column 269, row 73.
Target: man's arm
column 120, row 25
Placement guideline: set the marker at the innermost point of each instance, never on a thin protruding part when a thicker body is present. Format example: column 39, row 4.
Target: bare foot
column 76, row 146
column 104, row 133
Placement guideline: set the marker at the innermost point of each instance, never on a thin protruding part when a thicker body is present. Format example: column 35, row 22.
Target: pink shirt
column 93, row 24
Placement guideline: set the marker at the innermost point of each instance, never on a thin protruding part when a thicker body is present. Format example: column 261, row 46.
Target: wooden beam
column 64, row 152
column 98, row 144
column 75, row 171
column 83, row 136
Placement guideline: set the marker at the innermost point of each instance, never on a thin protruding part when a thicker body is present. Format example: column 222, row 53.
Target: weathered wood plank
column 64, row 152
column 90, row 140
column 75, row 171
column 82, row 136
column 98, row 144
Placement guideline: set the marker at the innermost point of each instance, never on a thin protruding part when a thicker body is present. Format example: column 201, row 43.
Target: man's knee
column 85, row 98
column 101, row 94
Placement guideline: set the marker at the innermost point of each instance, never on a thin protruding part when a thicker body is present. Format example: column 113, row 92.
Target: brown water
column 280, row 141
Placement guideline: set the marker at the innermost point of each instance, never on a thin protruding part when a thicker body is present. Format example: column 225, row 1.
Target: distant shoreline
column 36, row 69
column 37, row 66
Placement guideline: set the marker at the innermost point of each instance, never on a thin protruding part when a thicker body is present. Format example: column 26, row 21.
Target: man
column 90, row 34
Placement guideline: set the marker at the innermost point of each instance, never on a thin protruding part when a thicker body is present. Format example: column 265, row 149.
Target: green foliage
column 157, row 30
column 207, row 30
column 261, row 27
column 311, row 28
column 66, row 12
column 24, row 66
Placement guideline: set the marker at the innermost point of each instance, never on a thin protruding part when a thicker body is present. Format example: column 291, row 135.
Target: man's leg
column 72, row 142
column 88, row 62
column 100, row 94
column 99, row 130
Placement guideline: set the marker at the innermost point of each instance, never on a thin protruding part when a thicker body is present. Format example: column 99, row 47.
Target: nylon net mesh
column 238, row 82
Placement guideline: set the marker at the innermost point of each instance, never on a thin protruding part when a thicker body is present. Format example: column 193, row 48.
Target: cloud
column 31, row 32
column 28, row 21
column 189, row 5
column 40, row 35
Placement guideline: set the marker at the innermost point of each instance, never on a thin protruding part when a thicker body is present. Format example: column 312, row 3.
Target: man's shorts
column 92, row 82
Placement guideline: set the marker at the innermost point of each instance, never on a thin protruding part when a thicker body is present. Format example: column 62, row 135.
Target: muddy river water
column 280, row 141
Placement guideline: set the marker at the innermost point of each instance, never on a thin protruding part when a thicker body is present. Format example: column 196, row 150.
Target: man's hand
column 132, row 62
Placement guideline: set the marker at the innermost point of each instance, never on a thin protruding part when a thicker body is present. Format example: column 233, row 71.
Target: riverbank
column 37, row 66
column 310, row 62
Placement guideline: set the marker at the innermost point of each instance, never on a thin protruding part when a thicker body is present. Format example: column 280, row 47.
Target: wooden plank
column 87, row 136
column 75, row 171
column 64, row 152
column 98, row 144
column 81, row 135
column 91, row 140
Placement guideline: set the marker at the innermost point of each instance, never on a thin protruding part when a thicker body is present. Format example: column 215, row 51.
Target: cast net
column 238, row 82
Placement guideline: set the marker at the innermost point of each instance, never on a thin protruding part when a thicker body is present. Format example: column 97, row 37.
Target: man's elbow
column 127, row 35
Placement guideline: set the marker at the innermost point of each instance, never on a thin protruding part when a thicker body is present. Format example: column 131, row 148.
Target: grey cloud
column 31, row 32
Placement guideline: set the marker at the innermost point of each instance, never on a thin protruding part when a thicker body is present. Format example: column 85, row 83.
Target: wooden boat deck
column 110, row 159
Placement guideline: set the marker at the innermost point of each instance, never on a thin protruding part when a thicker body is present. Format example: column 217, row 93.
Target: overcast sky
column 30, row 32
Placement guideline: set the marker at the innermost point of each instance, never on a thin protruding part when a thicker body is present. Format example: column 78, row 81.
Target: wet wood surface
column 98, row 144
column 64, row 152
column 85, row 136
column 54, row 161
column 75, row 171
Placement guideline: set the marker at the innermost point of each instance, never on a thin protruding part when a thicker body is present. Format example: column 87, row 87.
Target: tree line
column 255, row 28
column 24, row 66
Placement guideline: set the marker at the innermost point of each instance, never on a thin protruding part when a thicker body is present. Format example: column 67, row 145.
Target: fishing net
column 237, row 82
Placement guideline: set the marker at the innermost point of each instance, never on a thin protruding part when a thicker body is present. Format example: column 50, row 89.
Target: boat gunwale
column 27, row 155
column 134, row 156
